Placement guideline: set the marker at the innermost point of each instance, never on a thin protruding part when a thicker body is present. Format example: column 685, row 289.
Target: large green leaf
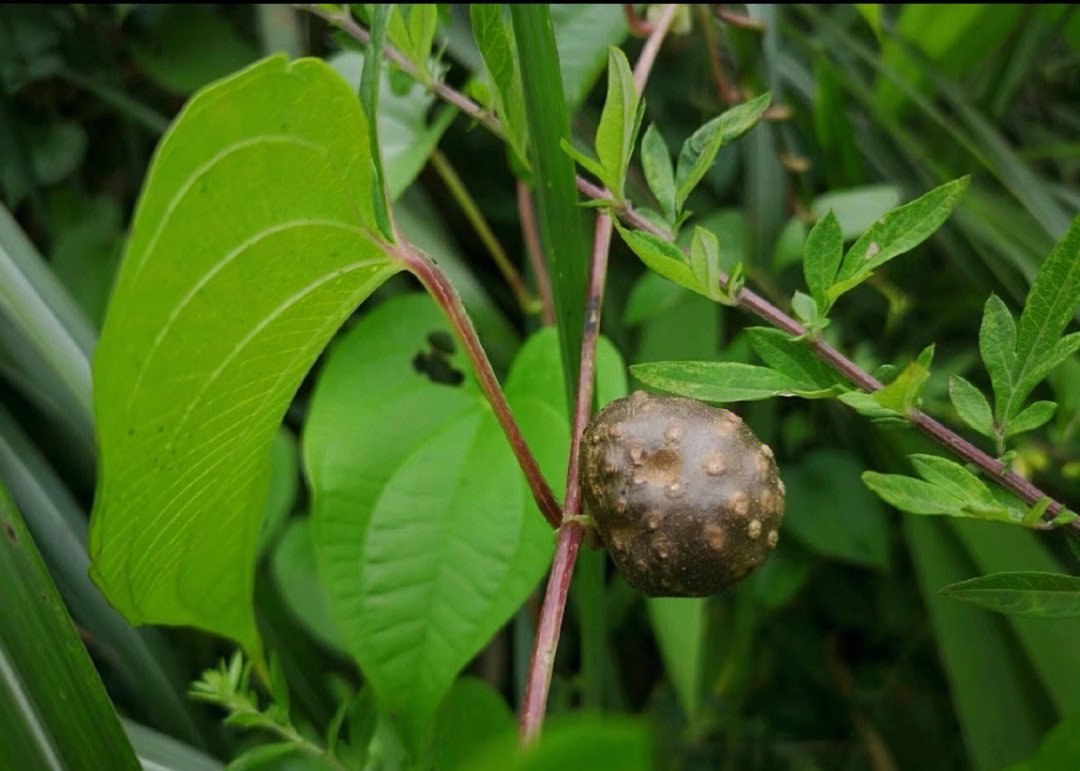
column 583, row 33
column 556, row 191
column 679, row 626
column 829, row 511
column 579, row 741
column 1047, row 644
column 985, row 665
column 54, row 712
column 426, row 536
column 251, row 244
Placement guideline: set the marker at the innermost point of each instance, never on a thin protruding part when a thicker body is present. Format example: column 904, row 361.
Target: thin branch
column 728, row 94
column 530, row 234
column 460, row 193
column 739, row 20
column 435, row 281
column 571, row 533
column 639, row 27
column 772, row 315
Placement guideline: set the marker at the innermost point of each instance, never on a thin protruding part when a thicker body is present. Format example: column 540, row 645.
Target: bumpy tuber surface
column 685, row 497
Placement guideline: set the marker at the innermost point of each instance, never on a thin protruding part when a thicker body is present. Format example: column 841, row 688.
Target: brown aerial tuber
column 684, row 496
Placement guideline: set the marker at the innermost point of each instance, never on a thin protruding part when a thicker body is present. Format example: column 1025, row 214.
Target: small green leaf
column 1051, row 304
column 724, row 381
column 494, row 39
column 1027, row 380
column 705, row 261
column 949, row 489
column 808, row 312
column 1031, row 417
column 793, row 358
column 699, row 150
column 662, row 256
column 659, row 173
column 997, row 345
column 370, row 81
column 971, row 405
column 262, row 755
column 1031, row 594
column 902, row 393
column 899, row 231
column 411, row 29
column 593, row 166
column 866, row 405
column 913, row 495
column 950, row 476
column 821, row 258
column 616, row 133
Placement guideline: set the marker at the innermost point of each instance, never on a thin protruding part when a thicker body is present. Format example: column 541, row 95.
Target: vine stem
column 465, row 202
column 542, row 661
column 440, row 288
column 530, row 234
column 746, row 299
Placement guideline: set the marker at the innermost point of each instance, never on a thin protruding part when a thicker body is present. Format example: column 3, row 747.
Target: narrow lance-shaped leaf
column 997, row 345
column 953, row 478
column 619, row 121
column 821, row 258
column 493, row 39
column 793, row 358
column 54, row 711
column 662, row 256
column 897, row 232
column 1031, row 417
column 705, row 262
column 556, row 192
column 659, row 174
column 913, row 495
column 1051, row 303
column 719, row 381
column 252, row 242
column 1024, row 593
column 971, row 405
column 370, row 81
column 699, row 151
column 411, row 29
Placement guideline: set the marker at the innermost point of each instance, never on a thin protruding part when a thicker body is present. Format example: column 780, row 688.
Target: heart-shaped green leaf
column 426, row 536
column 251, row 244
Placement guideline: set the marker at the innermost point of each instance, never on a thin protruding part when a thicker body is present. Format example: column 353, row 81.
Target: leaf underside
column 251, row 244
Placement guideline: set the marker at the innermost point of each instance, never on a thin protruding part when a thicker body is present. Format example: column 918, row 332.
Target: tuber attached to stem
column 685, row 497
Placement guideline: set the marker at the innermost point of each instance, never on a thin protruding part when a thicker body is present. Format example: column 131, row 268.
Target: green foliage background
column 839, row 653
